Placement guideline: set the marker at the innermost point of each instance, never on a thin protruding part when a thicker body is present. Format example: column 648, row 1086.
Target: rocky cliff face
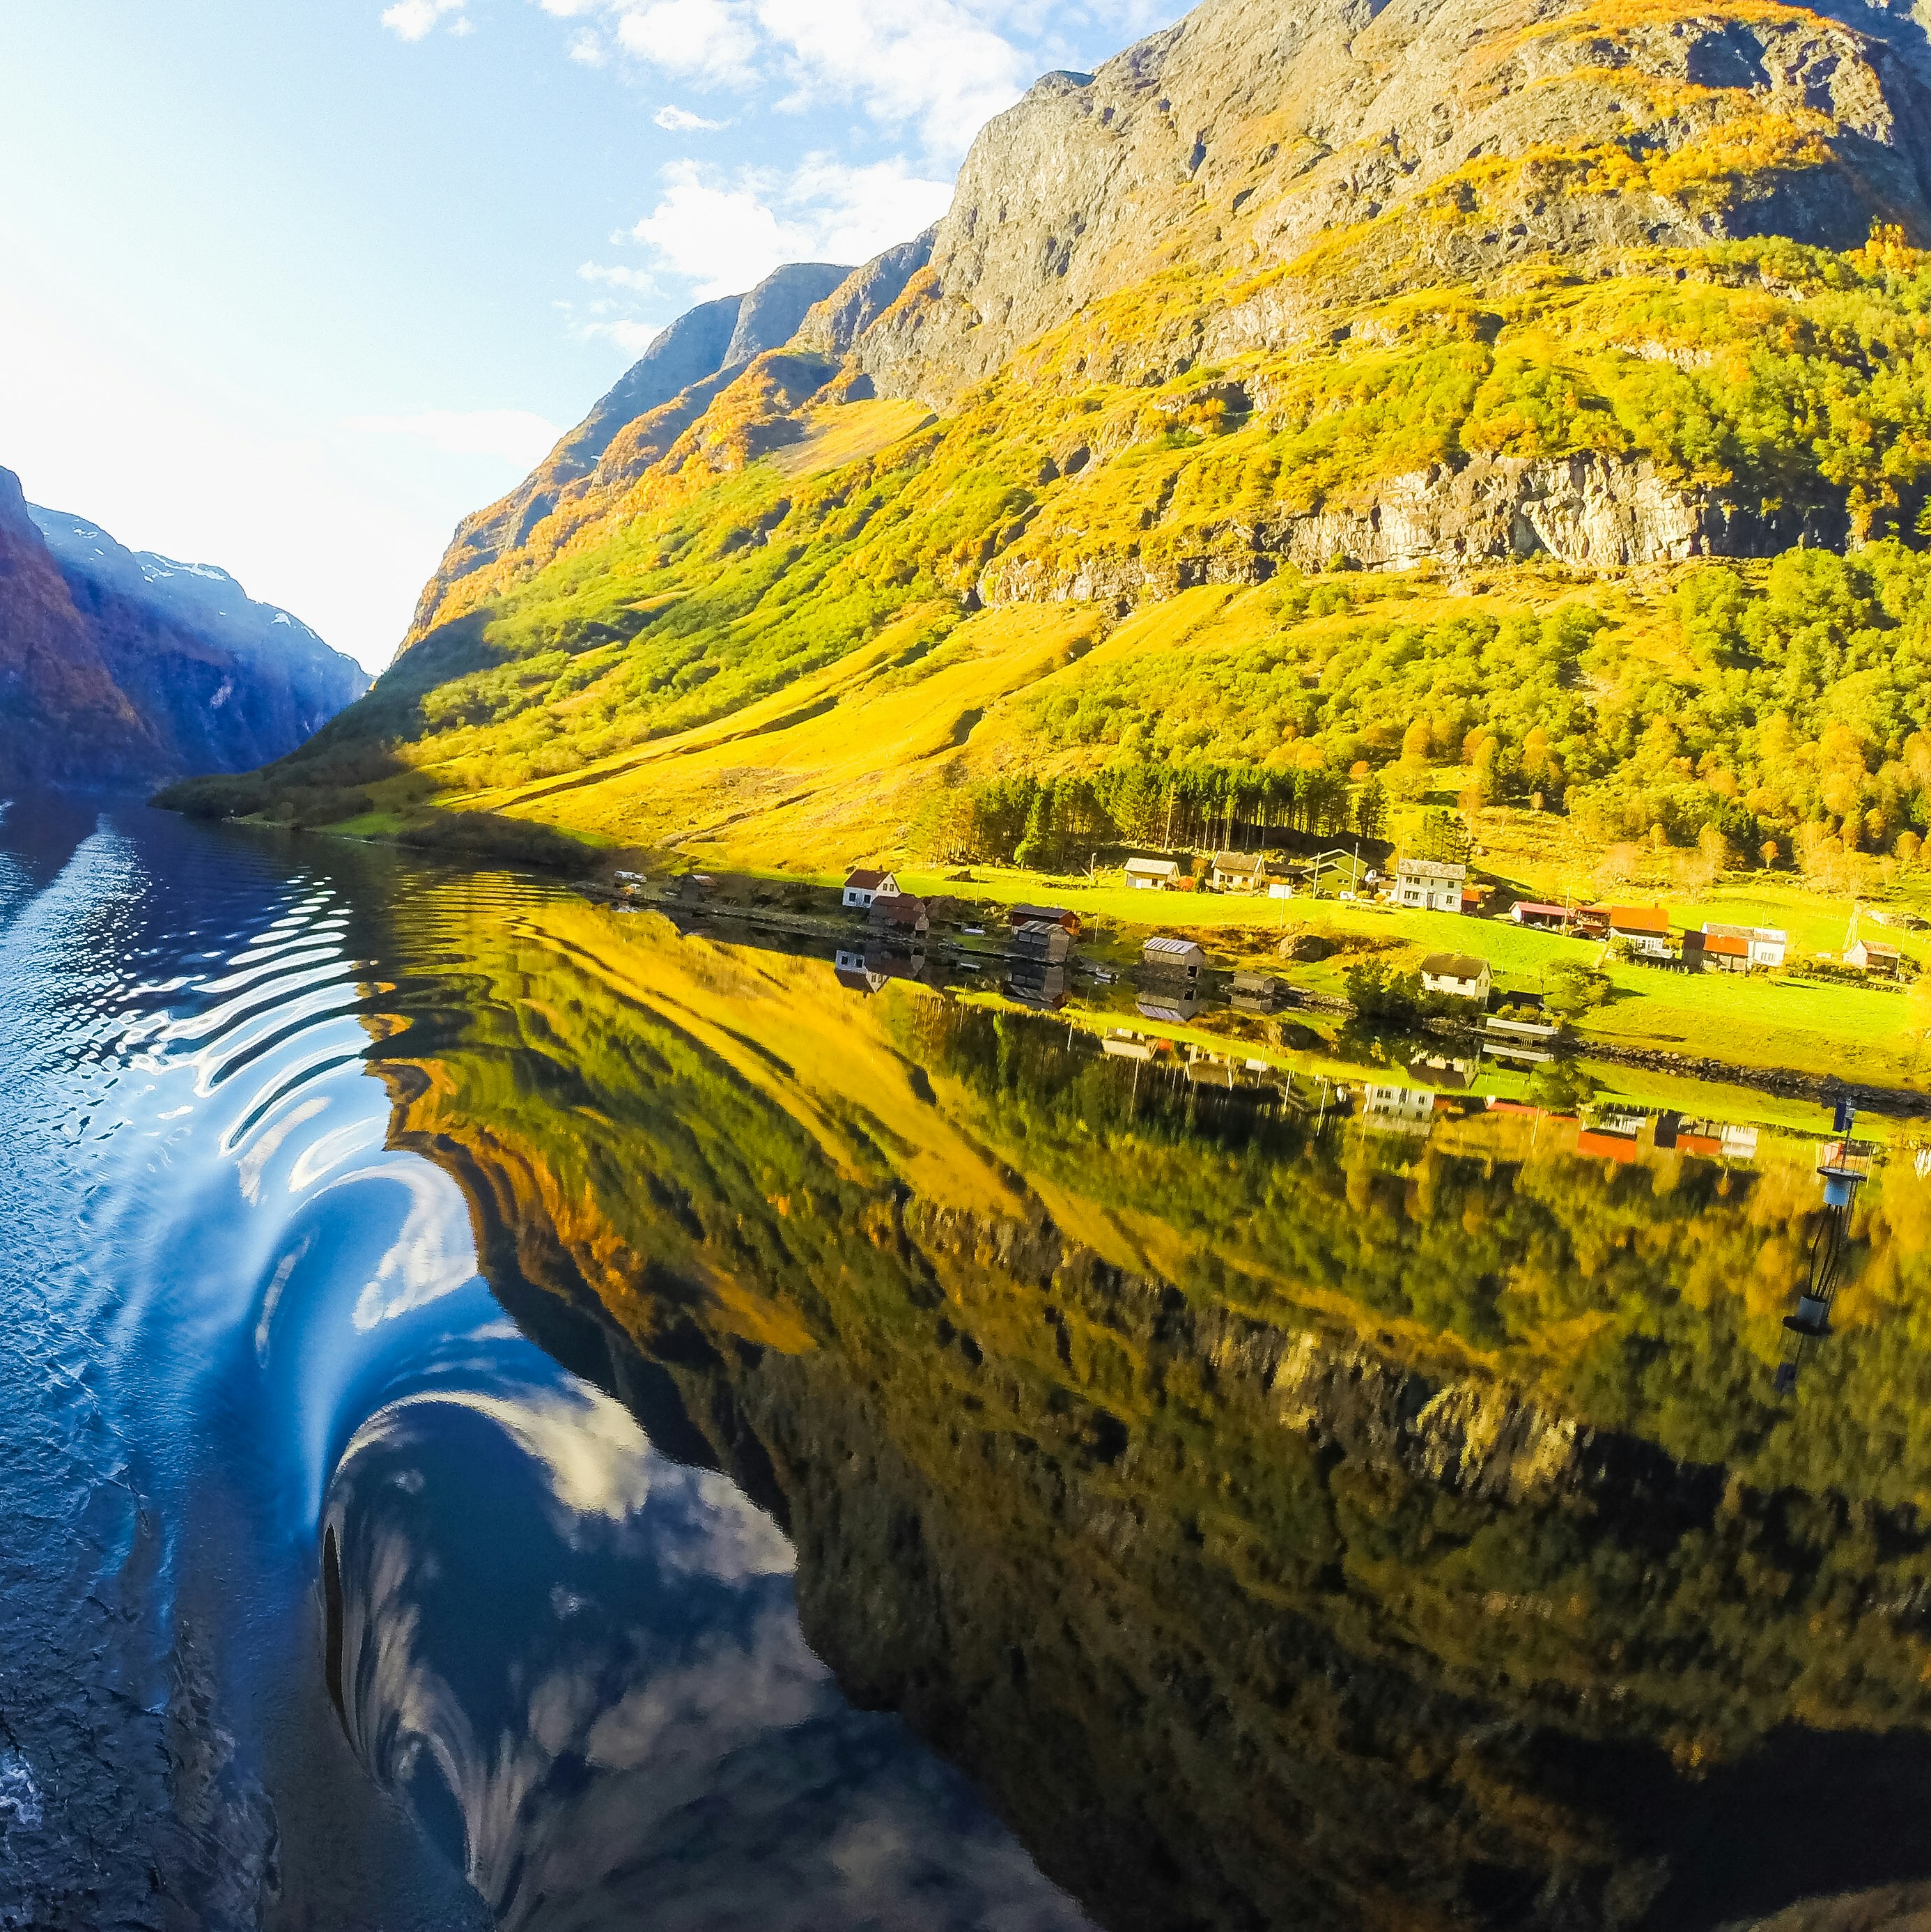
column 1241, row 139
column 1293, row 167
column 671, row 383
column 120, row 669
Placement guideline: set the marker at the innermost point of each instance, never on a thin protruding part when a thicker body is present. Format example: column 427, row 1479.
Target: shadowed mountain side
column 1281, row 1531
column 119, row 669
column 708, row 342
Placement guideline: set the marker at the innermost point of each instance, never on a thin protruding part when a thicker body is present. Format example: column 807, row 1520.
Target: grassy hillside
column 790, row 645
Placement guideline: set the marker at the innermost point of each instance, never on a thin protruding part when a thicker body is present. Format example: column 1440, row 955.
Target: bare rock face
column 691, row 360
column 1238, row 139
column 1594, row 512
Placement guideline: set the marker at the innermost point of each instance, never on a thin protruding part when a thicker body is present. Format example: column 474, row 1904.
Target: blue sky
column 292, row 285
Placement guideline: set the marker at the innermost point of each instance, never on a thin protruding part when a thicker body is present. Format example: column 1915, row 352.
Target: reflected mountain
column 1284, row 1521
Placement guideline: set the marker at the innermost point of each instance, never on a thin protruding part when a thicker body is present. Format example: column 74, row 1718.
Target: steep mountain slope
column 692, row 356
column 1481, row 312
column 120, row 668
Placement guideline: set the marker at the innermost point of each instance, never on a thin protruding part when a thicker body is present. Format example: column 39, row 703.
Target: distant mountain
column 120, row 668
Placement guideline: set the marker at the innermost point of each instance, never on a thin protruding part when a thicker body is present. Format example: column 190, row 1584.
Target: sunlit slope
column 1773, row 395
column 1118, row 1447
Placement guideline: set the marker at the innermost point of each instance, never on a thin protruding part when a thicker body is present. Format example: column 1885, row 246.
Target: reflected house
column 1175, row 1004
column 1126, row 1046
column 1153, row 875
column 1036, row 983
column 1611, row 1136
column 1388, row 1108
column 870, row 970
column 1239, row 872
column 1430, row 885
column 1708, row 1140
column 864, row 886
column 1459, row 976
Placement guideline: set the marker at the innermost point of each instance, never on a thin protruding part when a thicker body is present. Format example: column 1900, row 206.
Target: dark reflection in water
column 897, row 1465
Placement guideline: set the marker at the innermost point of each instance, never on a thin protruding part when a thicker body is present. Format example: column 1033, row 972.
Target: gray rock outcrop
column 1594, row 512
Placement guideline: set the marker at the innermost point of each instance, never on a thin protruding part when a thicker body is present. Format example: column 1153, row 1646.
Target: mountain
column 1313, row 413
column 119, row 667
column 687, row 362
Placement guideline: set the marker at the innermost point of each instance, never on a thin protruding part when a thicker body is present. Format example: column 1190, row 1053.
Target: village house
column 863, row 886
column 1239, row 872
column 1459, row 975
column 1431, row 885
column 1763, row 945
column 1041, row 942
column 899, row 915
column 1257, row 992
column 1708, row 952
column 1033, row 915
column 1644, row 929
column 1541, row 917
column 1173, row 958
column 1152, row 875
column 1872, row 956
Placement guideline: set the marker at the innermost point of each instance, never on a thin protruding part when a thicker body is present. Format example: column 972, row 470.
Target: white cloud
column 713, row 42
column 638, row 281
column 586, row 49
column 414, row 20
column 519, row 436
column 632, row 337
column 726, row 233
column 682, row 121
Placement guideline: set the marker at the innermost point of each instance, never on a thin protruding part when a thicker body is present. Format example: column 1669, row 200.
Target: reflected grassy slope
column 1281, row 1531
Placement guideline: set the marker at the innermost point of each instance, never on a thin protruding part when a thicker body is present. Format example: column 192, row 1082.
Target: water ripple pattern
column 326, row 1597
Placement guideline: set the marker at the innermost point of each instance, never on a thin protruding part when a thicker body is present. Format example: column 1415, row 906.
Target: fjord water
column 516, row 1413
column 321, row 1587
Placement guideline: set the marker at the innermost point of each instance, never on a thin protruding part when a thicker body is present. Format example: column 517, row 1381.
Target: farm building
column 1433, row 885
column 1239, row 872
column 1459, row 975
column 1645, row 929
column 1153, row 875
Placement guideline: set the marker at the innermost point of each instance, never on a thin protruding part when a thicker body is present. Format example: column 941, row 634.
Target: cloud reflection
column 583, row 1666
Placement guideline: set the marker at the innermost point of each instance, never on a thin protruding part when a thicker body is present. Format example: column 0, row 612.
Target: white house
column 1457, row 974
column 863, row 886
column 1239, row 872
column 1432, row 885
column 1152, row 875
column 1766, row 945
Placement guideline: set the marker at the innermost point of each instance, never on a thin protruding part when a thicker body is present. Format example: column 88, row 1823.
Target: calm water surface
column 516, row 1414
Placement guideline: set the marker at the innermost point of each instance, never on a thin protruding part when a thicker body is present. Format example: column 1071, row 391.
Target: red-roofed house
column 899, row 913
column 864, row 886
column 1543, row 918
column 1645, row 929
column 1715, row 952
